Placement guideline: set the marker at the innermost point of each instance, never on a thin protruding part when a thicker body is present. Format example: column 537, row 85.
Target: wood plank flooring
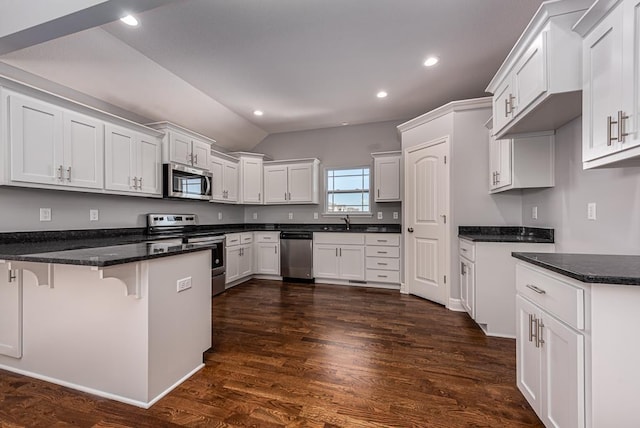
column 297, row 355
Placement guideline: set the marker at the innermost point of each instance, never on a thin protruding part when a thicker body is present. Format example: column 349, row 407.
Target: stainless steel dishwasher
column 296, row 256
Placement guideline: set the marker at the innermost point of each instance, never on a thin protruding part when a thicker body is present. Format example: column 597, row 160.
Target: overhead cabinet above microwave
column 183, row 146
column 538, row 87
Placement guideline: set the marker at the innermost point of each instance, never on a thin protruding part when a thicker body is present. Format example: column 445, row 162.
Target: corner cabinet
column 524, row 161
column 537, row 88
column 611, row 75
column 54, row 146
column 251, row 192
column 293, row 181
column 183, row 146
column 386, row 176
column 132, row 162
column 225, row 172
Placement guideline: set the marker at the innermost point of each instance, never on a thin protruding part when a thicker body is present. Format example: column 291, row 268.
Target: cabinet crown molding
column 596, row 12
column 169, row 126
column 453, row 106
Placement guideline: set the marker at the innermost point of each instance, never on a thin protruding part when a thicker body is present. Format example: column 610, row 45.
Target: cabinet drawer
column 246, row 237
column 338, row 238
column 386, row 239
column 561, row 299
column 266, row 236
column 382, row 263
column 467, row 249
column 378, row 251
column 383, row 276
column 232, row 239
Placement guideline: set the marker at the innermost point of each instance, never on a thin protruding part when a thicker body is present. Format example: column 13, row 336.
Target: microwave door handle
column 208, row 189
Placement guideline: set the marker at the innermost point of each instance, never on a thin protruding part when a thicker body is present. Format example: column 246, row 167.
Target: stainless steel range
column 184, row 226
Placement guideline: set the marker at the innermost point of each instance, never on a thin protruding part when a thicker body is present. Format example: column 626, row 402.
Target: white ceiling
column 207, row 64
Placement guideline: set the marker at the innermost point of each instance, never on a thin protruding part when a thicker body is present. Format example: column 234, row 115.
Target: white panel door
column 325, row 261
column 201, row 152
column 502, row 102
column 232, row 264
column 387, row 179
column 267, row 258
column 83, row 151
column 563, row 390
column 231, row 181
column 300, row 183
column 251, row 181
column 120, row 159
column 530, row 74
column 275, row 184
column 216, row 166
column 35, row 139
column 10, row 312
column 149, row 156
column 528, row 357
column 426, row 199
column 603, row 85
column 180, row 148
column 246, row 260
column 351, row 260
column 467, row 287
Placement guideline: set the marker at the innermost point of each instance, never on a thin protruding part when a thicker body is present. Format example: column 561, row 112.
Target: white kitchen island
column 121, row 331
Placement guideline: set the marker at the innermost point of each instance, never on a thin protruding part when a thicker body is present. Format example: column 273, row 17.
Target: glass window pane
column 348, row 183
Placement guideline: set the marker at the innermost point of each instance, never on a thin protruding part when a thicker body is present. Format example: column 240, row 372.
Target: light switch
column 255, row 216
column 315, row 216
column 290, row 216
column 591, row 211
column 379, row 215
column 395, row 215
column 94, row 215
column 45, row 214
column 534, row 213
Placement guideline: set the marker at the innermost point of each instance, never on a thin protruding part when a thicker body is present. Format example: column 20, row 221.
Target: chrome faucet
column 347, row 221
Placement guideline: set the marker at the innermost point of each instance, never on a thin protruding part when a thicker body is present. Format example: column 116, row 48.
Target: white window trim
column 324, row 193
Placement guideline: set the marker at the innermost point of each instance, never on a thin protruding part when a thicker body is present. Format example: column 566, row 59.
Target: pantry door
column 425, row 220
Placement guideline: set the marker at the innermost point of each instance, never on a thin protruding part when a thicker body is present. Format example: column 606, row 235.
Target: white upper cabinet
column 292, row 181
column 250, row 182
column 386, row 175
column 132, row 162
column 183, row 146
column 54, row 146
column 611, row 57
column 224, row 170
column 537, row 88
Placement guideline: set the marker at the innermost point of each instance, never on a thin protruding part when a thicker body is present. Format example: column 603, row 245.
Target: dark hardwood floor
column 313, row 356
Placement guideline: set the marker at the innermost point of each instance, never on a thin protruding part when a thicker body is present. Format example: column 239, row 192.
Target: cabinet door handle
column 610, row 137
column 539, row 339
column 289, row 195
column 135, row 182
column 69, row 174
column 196, row 159
column 378, row 192
column 140, row 183
column 506, row 107
column 285, row 196
column 340, row 252
column 621, row 119
column 497, row 177
column 60, row 168
column 536, row 289
column 259, row 197
column 530, row 327
column 275, row 248
column 12, row 277
column 461, row 268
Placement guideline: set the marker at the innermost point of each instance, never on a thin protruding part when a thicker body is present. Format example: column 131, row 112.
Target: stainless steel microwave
column 180, row 181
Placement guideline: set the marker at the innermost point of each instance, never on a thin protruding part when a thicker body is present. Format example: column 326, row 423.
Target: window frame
column 325, row 192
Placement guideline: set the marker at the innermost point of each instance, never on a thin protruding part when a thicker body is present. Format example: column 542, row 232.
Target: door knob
column 410, row 230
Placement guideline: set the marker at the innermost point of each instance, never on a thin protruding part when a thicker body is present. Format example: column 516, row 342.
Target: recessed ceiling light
column 130, row 20
column 381, row 94
column 431, row 61
column 345, row 123
column 258, row 112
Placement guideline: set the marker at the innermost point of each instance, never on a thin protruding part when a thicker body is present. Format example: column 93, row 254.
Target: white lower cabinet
column 550, row 354
column 267, row 253
column 383, row 258
column 239, row 252
column 468, row 286
column 10, row 312
column 339, row 256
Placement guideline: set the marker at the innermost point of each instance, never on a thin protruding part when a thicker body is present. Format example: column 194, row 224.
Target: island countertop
column 589, row 268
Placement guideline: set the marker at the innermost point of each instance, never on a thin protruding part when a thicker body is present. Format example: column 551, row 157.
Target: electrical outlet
column 534, row 213
column 315, row 216
column 219, row 216
column 379, row 215
column 395, row 215
column 255, row 216
column 591, row 211
column 45, row 214
column 290, row 216
column 94, row 215
column 184, row 284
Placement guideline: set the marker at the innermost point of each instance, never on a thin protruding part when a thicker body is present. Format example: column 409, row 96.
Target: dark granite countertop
column 108, row 247
column 533, row 235
column 589, row 268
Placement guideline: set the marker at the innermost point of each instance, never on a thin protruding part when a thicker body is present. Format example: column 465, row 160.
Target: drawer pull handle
column 464, row 249
column 382, row 252
column 382, row 264
column 382, row 276
column 536, row 289
column 382, row 240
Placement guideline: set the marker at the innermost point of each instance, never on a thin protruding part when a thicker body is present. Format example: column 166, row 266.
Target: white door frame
column 446, row 139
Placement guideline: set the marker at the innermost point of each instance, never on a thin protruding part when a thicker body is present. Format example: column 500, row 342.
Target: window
column 347, row 190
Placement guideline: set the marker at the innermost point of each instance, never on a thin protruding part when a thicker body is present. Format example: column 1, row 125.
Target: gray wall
column 335, row 147
column 616, row 191
column 20, row 210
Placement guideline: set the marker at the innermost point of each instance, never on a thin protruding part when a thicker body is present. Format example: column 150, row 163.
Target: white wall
column 616, row 191
column 343, row 146
column 20, row 209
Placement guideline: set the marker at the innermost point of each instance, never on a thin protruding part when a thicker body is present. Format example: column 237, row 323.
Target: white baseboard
column 358, row 284
column 455, row 305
